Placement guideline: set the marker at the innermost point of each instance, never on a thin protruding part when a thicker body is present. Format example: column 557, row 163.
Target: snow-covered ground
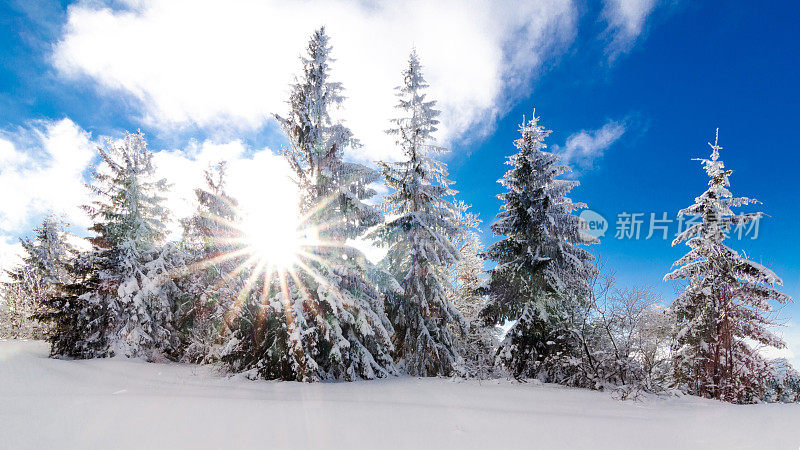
column 47, row 403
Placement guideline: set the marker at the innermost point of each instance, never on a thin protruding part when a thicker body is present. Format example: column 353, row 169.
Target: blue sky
column 632, row 89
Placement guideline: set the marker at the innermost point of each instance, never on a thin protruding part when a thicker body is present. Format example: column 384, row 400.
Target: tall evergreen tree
column 725, row 305
column 541, row 272
column 45, row 266
column 420, row 236
column 322, row 319
column 217, row 269
column 123, row 303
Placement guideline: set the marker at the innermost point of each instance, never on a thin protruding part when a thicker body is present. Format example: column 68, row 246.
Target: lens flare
column 273, row 240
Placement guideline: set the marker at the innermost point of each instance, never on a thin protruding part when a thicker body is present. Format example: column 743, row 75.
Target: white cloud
column 626, row 20
column 229, row 63
column 9, row 155
column 582, row 148
column 41, row 171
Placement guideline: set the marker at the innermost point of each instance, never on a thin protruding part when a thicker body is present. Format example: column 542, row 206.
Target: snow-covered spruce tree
column 45, row 266
column 124, row 304
column 541, row 273
column 323, row 320
column 726, row 304
column 478, row 340
column 420, row 237
column 75, row 317
column 216, row 269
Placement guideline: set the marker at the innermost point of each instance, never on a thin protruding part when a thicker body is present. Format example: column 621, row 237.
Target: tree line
column 429, row 308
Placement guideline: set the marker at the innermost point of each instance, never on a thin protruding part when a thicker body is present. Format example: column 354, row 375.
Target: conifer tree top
column 315, row 138
column 129, row 206
column 539, row 257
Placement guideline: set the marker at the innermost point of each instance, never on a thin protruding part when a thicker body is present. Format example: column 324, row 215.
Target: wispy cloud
column 221, row 64
column 581, row 149
column 626, row 21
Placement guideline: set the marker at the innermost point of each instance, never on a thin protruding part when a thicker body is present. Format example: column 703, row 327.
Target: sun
column 272, row 240
column 279, row 251
column 268, row 213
